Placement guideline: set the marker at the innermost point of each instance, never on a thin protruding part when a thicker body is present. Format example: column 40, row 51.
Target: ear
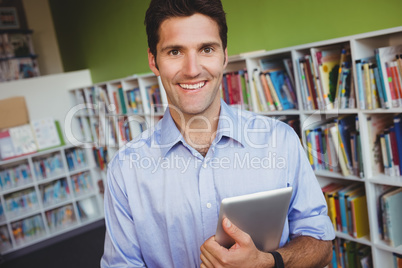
column 226, row 58
column 152, row 63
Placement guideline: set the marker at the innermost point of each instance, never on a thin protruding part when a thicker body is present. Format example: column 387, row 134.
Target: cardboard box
column 13, row 112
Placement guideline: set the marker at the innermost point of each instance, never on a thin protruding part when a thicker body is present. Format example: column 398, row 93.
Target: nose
column 192, row 67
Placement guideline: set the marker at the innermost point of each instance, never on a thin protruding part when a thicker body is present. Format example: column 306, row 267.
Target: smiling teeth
column 192, row 86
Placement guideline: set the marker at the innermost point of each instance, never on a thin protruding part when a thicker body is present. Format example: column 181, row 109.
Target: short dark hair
column 160, row 10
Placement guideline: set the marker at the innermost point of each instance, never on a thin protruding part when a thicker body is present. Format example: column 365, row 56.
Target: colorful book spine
column 60, row 218
column 75, row 158
column 28, row 229
column 55, row 192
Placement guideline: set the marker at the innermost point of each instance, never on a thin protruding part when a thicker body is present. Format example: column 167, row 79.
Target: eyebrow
column 178, row 47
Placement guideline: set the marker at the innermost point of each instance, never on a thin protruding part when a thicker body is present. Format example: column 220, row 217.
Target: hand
column 242, row 254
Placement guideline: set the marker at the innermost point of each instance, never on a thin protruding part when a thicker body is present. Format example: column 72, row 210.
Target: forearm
column 303, row 251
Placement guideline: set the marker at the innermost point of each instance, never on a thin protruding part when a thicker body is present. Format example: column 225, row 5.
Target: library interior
column 75, row 87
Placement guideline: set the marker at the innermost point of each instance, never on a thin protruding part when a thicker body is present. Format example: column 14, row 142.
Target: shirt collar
column 228, row 126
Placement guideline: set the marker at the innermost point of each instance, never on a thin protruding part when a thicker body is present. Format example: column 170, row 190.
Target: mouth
column 192, row 86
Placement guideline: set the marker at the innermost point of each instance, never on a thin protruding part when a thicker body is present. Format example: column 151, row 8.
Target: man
column 165, row 187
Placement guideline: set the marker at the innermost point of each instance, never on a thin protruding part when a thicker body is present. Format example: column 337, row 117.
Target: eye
column 174, row 52
column 208, row 50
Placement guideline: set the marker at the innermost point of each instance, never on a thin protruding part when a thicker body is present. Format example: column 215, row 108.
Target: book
column 376, row 125
column 385, row 55
column 360, row 216
column 7, row 150
column 46, row 133
column 23, row 140
column 311, row 84
column 339, row 149
column 397, row 120
column 329, row 193
column 343, row 205
column 397, row 260
column 260, row 96
column 273, row 103
column 393, row 215
column 306, row 99
column 122, row 101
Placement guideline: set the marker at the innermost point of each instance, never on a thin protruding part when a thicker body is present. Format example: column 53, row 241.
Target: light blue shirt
column 162, row 198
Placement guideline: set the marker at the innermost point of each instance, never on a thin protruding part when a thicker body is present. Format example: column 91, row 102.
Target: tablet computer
column 262, row 215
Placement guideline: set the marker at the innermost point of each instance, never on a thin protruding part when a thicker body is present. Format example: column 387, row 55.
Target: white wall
column 44, row 39
column 47, row 95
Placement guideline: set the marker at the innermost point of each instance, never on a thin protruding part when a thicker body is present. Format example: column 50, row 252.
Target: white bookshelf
column 361, row 45
column 80, row 209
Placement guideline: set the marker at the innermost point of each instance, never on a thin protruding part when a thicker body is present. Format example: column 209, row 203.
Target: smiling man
column 166, row 215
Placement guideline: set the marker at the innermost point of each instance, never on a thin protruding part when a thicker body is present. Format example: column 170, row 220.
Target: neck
column 198, row 130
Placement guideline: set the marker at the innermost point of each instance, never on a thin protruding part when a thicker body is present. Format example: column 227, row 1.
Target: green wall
column 108, row 37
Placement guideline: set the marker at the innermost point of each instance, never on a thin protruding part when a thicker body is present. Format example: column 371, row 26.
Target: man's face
column 190, row 60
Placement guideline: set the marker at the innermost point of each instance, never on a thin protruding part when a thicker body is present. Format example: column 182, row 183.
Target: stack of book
column 347, row 208
column 60, row 218
column 325, row 79
column 17, row 56
column 350, row 254
column 235, row 89
column 28, row 229
column 100, row 156
column 75, row 158
column 134, row 100
column 336, row 146
column 273, row 84
column 385, row 134
column 154, row 99
column 81, row 183
column 46, row 167
column 21, row 202
column 389, row 200
column 379, row 79
column 55, row 192
column 15, row 176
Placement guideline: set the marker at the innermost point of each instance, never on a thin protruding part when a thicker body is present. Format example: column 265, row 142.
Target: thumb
column 234, row 232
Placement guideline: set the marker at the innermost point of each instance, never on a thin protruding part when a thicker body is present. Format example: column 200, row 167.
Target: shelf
column 53, row 178
column 285, row 112
column 86, row 195
column 383, row 111
column 382, row 245
column 67, row 200
column 78, row 170
column 61, row 230
column 335, row 175
column 363, row 240
column 22, row 215
column 331, row 112
column 17, row 188
column 388, row 180
column 120, row 115
column 31, row 241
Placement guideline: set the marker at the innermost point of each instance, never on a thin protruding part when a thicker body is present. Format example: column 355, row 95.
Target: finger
column 208, row 252
column 234, row 232
column 205, row 262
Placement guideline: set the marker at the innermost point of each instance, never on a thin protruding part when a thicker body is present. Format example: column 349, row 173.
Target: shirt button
column 209, row 205
column 204, row 165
